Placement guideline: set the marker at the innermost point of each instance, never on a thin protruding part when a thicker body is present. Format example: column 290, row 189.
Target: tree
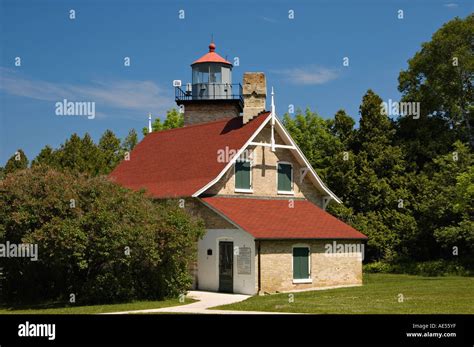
column 341, row 175
column 445, row 206
column 376, row 130
column 84, row 156
column 342, row 127
column 47, row 156
column 91, row 157
column 174, row 119
column 365, row 169
column 110, row 151
column 130, row 141
column 69, row 154
column 95, row 239
column 311, row 132
column 17, row 161
column 440, row 77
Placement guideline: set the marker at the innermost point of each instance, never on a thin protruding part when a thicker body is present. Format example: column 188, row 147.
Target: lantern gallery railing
column 210, row 91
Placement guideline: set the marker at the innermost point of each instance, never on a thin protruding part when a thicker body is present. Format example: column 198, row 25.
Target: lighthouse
column 212, row 96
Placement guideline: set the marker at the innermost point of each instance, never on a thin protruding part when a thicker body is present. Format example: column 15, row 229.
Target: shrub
column 377, row 267
column 438, row 267
column 95, row 239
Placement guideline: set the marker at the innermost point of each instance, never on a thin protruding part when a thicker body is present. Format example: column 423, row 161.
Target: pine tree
column 46, row 156
column 130, row 141
column 18, row 161
column 110, row 152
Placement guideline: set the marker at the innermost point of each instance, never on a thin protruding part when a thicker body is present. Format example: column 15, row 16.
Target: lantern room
column 211, row 79
column 211, row 94
column 212, row 68
column 212, row 76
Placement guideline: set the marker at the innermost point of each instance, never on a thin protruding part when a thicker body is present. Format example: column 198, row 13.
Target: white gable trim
column 231, row 162
column 287, row 138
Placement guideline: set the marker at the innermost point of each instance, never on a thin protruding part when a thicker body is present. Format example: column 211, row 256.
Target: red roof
column 179, row 162
column 211, row 57
column 275, row 219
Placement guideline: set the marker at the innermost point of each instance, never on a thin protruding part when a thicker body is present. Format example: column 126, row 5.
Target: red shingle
column 275, row 219
column 179, row 162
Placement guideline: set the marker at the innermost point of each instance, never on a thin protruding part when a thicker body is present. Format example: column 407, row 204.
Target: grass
column 379, row 294
column 94, row 309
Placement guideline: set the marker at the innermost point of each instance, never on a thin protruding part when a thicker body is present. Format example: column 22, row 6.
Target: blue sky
column 83, row 59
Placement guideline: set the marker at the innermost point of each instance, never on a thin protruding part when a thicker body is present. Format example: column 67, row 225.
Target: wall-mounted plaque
column 244, row 261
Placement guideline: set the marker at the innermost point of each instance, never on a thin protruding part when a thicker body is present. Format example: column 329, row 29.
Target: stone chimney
column 254, row 93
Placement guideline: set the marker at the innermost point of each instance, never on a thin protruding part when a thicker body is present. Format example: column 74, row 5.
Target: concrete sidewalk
column 206, row 301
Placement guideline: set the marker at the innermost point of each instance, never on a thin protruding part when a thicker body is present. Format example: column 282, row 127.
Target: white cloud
column 269, row 19
column 137, row 96
column 451, row 5
column 308, row 75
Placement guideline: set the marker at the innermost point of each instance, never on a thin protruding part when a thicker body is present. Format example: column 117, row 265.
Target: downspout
column 259, row 269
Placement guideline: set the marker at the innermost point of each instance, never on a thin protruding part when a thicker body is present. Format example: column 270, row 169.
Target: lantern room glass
column 211, row 81
column 211, row 73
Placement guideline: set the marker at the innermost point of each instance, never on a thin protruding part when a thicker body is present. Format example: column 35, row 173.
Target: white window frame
column 284, row 192
column 301, row 280
column 242, row 190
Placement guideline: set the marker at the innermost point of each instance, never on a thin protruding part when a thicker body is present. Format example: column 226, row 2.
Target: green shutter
column 242, row 174
column 300, row 263
column 284, row 177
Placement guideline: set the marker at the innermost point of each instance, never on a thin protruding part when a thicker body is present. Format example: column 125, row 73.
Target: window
column 301, row 265
column 215, row 74
column 243, row 176
column 285, row 178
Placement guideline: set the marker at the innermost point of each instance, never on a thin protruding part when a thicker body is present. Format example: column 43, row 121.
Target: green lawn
column 137, row 305
column 379, row 294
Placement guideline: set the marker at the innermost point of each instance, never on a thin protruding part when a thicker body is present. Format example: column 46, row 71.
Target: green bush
column 377, row 267
column 438, row 267
column 96, row 240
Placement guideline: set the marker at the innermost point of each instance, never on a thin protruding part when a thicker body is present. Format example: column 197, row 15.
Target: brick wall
column 326, row 271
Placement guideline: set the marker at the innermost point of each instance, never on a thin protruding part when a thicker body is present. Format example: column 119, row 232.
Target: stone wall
column 211, row 219
column 195, row 113
column 254, row 91
column 326, row 270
